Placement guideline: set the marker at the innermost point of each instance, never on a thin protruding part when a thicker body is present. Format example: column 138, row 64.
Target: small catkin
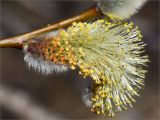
column 120, row 9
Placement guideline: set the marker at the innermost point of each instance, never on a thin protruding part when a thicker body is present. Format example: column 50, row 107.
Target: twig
column 18, row 41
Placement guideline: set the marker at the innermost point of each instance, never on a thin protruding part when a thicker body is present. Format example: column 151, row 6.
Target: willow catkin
column 120, row 9
column 110, row 53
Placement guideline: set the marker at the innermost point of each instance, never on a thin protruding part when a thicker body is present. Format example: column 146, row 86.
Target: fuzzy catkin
column 120, row 9
column 112, row 54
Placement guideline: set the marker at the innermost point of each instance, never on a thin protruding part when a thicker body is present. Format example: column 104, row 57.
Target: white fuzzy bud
column 86, row 97
column 120, row 8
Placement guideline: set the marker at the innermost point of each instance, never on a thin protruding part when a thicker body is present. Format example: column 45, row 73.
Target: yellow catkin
column 109, row 53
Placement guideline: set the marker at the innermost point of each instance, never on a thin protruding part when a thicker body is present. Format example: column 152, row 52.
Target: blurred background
column 26, row 94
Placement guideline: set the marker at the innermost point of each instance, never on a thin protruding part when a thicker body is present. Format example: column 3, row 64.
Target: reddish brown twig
column 18, row 41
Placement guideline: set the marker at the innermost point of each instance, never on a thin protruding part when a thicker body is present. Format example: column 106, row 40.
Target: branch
column 18, row 41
